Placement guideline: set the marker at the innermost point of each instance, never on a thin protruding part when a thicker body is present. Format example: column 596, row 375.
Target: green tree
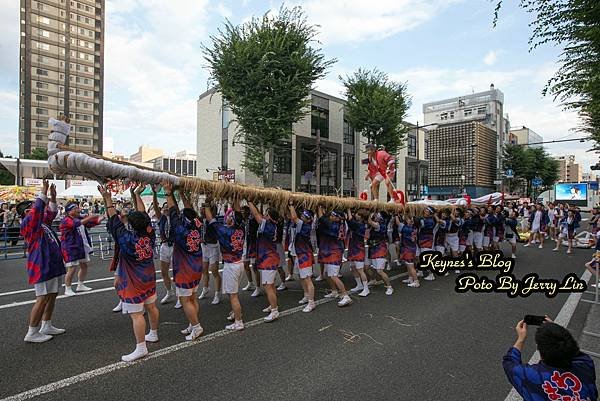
column 529, row 163
column 265, row 69
column 6, row 178
column 37, row 154
column 376, row 106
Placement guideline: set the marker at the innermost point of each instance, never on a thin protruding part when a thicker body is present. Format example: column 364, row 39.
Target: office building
column 524, row 136
column 145, row 154
column 462, row 158
column 568, row 169
column 182, row 163
column 342, row 149
column 61, row 71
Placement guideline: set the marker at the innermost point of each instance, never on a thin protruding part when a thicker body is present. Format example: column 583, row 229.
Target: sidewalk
column 589, row 342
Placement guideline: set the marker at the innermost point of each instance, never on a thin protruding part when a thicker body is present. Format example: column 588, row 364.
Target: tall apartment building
column 462, row 158
column 145, row 154
column 61, row 71
column 181, row 163
column 487, row 108
column 524, row 136
column 342, row 149
column 568, row 169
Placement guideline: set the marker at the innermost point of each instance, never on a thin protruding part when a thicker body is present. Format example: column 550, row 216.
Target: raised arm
column 169, row 194
column 139, row 203
column 349, row 214
column 208, row 214
column 372, row 223
column 293, row 214
column 157, row 211
column 257, row 215
column 108, row 203
column 185, row 199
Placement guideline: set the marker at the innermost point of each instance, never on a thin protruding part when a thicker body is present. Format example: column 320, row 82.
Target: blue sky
column 442, row 48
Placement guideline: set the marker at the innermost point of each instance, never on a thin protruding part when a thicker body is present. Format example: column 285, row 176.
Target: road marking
column 57, row 385
column 563, row 318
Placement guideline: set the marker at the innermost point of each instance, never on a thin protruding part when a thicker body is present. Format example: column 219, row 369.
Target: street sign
column 498, row 182
column 536, row 182
column 226, row 175
column 509, row 173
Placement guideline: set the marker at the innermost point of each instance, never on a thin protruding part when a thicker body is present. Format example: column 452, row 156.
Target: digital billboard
column 571, row 193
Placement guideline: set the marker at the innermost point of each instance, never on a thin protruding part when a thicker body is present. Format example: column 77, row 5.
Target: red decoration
column 399, row 197
column 468, row 198
column 364, row 195
column 117, row 186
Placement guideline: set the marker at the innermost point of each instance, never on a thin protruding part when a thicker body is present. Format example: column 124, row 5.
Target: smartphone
column 534, row 320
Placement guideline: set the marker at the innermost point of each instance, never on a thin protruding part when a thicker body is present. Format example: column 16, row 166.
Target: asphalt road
column 428, row 343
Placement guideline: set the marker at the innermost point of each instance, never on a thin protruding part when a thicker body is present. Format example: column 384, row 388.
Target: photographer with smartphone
column 563, row 370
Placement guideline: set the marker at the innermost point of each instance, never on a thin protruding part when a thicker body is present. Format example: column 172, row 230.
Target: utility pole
column 318, row 162
column 418, row 162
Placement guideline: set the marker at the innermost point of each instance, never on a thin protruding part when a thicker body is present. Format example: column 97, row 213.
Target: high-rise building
column 568, row 169
column 61, row 71
column 525, row 136
column 145, row 154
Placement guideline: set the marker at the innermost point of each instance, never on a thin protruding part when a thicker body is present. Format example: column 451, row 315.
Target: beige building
column 61, row 71
column 524, row 136
column 342, row 149
column 568, row 169
column 145, row 154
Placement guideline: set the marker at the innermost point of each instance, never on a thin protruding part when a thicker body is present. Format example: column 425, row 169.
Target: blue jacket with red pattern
column 187, row 252
column 71, row 241
column 44, row 258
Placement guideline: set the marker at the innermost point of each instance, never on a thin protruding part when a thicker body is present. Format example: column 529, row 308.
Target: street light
column 429, row 127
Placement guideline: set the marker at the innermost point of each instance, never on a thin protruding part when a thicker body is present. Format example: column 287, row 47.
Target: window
column 41, row 85
column 42, row 59
column 43, row 46
column 348, row 133
column 282, row 163
column 41, row 124
column 43, row 20
column 412, row 146
column 443, row 116
column 42, row 112
column 451, row 115
column 481, row 110
column 319, row 121
column 348, row 166
column 39, row 137
column 41, row 98
column 45, row 34
column 468, row 112
column 85, row 130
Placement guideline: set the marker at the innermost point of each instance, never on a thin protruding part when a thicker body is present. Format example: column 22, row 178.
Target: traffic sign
column 509, row 173
column 536, row 182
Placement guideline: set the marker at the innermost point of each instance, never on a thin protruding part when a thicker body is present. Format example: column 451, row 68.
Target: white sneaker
column 37, row 337
column 389, row 290
column 168, row 297
column 419, row 274
column 272, row 316
column 204, row 293
column 309, row 307
column 303, row 301
column 555, row 250
column 69, row 292
column 83, row 288
column 346, row 300
column 187, row 330
column 430, row 277
column 196, row 332
column 332, row 294
column 319, row 278
column 151, row 337
column 51, row 330
column 456, row 271
column 513, row 256
column 365, row 292
column 118, row 308
column 256, row 293
column 408, row 280
column 267, row 309
column 230, row 317
column 569, row 251
column 237, row 326
column 541, row 246
column 217, row 299
column 372, row 283
column 136, row 354
column 289, row 278
column 177, row 304
column 282, row 287
column 248, row 287
column 414, row 284
column 357, row 289
column 526, row 245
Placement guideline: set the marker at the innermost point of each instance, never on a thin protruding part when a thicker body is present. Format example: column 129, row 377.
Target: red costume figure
column 381, row 167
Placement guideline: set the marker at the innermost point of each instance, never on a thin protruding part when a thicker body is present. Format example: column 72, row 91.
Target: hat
column 23, row 206
column 430, row 209
column 370, row 146
column 307, row 214
column 336, row 213
column 70, row 206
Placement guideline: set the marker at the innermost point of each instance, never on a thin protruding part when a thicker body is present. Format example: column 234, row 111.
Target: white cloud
column 345, row 21
column 9, row 122
column 224, row 11
column 491, row 57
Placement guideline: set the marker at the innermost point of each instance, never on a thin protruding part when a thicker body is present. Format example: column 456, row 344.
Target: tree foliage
column 6, row 178
column 265, row 69
column 529, row 163
column 376, row 106
column 573, row 25
column 37, row 154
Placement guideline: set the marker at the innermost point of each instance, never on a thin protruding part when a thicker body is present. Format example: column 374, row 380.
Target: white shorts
column 166, row 252
column 137, row 308
column 231, row 276
column 496, row 239
column 280, row 251
column 421, row 250
column 379, row 178
column 535, row 228
column 332, row 270
column 512, row 240
column 470, row 238
column 185, row 292
column 477, row 239
column 211, row 253
column 77, row 262
column 267, row 276
column 306, row 272
column 378, row 263
column 462, row 248
column 486, row 241
column 440, row 248
column 358, row 265
column 48, row 287
column 452, row 241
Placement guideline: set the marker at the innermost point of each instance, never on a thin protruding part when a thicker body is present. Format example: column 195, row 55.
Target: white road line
column 563, row 318
column 57, row 385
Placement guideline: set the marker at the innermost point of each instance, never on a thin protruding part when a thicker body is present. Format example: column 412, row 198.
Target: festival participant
column 594, row 219
column 357, row 225
column 408, row 233
column 166, row 247
column 552, row 221
column 454, row 224
column 211, row 256
column 538, row 220
column 331, row 248
column 231, row 239
column 288, row 233
column 594, row 265
column 72, row 246
column 281, row 251
column 442, row 221
column 465, row 235
column 395, row 240
column 382, row 167
column 378, row 247
column 186, row 258
column 301, row 250
column 249, row 257
column 499, row 227
column 524, row 215
column 568, row 224
column 477, row 227
column 136, row 277
column 426, row 232
column 114, row 262
column 267, row 256
column 489, row 227
column 510, row 233
column 45, row 265
column 316, row 238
